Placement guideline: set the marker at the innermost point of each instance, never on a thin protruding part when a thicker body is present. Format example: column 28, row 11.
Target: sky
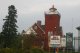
column 29, row 11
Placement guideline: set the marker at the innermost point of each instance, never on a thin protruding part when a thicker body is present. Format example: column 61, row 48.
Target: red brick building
column 52, row 24
column 38, row 30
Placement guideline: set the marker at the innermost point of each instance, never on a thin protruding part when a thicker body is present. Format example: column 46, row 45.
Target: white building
column 78, row 28
column 76, row 44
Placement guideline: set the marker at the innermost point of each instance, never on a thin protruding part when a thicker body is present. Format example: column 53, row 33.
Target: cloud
column 67, row 3
column 29, row 11
column 34, row 8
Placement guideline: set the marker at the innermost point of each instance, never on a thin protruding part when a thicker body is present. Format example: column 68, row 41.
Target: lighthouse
column 52, row 25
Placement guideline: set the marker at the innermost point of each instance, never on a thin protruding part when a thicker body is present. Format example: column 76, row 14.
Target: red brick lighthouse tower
column 52, row 24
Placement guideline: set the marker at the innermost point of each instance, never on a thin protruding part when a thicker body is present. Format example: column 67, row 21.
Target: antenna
column 72, row 25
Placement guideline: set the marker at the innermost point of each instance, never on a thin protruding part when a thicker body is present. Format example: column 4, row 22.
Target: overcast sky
column 29, row 11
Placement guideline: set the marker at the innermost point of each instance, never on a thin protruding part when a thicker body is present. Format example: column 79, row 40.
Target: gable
column 30, row 30
column 38, row 29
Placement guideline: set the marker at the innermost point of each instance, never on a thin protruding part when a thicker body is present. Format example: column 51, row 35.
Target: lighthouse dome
column 52, row 11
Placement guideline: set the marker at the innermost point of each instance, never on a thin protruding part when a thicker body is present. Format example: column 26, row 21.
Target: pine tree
column 9, row 30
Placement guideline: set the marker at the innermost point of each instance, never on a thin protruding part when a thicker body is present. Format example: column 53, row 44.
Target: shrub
column 10, row 50
column 36, row 50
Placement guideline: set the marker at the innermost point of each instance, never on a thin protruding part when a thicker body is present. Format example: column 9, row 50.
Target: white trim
column 40, row 27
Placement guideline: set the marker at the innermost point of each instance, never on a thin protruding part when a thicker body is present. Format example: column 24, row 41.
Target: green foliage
column 36, row 50
column 18, row 42
column 28, row 42
column 10, row 50
column 33, row 50
column 9, row 30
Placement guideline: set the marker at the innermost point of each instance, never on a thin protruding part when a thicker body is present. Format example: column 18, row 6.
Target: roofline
column 40, row 28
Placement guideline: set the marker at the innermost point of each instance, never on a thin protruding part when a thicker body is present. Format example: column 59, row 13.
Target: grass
column 33, row 50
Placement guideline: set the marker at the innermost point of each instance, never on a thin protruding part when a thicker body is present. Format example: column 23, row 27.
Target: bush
column 36, row 50
column 10, row 50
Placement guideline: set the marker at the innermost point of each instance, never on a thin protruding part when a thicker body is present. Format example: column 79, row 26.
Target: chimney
column 39, row 23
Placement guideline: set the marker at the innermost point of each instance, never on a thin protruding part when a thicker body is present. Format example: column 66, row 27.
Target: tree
column 18, row 42
column 0, row 40
column 9, row 30
column 28, row 41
